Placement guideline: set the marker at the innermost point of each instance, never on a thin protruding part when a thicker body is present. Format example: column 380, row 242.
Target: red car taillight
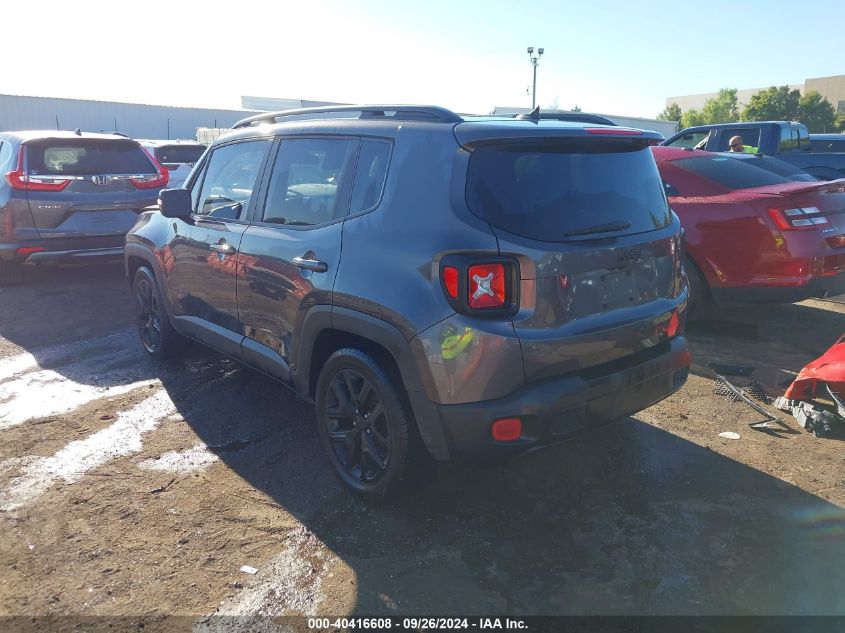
column 157, row 181
column 486, row 286
column 797, row 219
column 480, row 287
column 19, row 179
column 836, row 241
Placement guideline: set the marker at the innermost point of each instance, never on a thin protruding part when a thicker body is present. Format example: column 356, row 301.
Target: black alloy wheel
column 157, row 336
column 357, row 425
column 365, row 425
column 148, row 315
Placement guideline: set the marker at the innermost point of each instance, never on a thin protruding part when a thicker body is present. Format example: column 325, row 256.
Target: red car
column 753, row 235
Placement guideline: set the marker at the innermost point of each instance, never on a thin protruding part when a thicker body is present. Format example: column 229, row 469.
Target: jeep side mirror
column 175, row 203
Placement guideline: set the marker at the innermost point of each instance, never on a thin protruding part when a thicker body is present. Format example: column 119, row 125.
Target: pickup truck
column 788, row 141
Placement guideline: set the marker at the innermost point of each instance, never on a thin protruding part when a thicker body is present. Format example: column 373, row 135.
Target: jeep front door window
column 230, row 179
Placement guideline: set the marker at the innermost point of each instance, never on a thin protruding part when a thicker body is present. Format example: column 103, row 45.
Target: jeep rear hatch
column 567, row 189
column 597, row 245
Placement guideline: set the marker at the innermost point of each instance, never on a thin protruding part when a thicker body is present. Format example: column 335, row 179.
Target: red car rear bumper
column 777, row 292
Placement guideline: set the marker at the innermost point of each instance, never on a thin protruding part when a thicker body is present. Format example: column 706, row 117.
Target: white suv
column 176, row 156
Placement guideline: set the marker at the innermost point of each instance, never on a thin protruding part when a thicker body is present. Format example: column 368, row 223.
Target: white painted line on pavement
column 182, row 462
column 123, row 437
column 78, row 375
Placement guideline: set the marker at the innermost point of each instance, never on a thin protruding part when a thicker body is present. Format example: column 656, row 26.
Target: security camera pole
column 534, row 59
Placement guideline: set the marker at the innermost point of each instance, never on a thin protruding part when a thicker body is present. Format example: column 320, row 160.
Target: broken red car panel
column 828, row 368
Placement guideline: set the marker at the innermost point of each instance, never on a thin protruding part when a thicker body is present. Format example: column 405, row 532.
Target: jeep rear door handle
column 310, row 264
column 226, row 249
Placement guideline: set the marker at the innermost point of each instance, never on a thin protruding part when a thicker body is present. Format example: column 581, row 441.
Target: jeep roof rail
column 433, row 114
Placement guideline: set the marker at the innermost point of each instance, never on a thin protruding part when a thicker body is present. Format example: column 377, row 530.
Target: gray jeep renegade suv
column 473, row 286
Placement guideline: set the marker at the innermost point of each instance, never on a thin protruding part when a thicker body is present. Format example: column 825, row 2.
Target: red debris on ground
column 828, row 368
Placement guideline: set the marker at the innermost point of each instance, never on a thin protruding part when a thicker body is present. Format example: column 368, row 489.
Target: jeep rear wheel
column 157, row 336
column 363, row 424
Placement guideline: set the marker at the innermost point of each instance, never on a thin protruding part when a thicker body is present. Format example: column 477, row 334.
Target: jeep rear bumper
column 554, row 409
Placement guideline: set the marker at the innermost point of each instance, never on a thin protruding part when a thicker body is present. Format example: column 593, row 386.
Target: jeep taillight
column 486, row 286
column 797, row 219
column 20, row 180
column 476, row 285
column 450, row 280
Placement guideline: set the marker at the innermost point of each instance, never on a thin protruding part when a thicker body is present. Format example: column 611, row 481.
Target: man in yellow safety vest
column 736, row 145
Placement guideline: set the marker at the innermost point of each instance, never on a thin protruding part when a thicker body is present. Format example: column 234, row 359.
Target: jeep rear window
column 552, row 190
column 179, row 153
column 87, row 157
column 730, row 172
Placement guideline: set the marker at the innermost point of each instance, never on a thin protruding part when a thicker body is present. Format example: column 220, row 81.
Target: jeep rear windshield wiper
column 600, row 228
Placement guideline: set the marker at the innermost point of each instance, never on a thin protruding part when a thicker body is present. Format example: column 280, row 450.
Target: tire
column 352, row 387
column 11, row 274
column 156, row 334
column 700, row 304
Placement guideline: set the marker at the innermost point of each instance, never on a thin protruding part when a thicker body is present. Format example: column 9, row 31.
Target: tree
column 691, row 118
column 671, row 113
column 839, row 124
column 777, row 103
column 816, row 113
column 721, row 109
column 577, row 108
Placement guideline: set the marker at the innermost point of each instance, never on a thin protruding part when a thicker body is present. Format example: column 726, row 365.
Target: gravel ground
column 133, row 488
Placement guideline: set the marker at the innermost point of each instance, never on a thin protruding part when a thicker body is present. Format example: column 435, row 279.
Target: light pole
column 534, row 60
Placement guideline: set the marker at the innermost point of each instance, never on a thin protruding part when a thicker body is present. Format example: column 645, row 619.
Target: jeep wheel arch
column 340, row 326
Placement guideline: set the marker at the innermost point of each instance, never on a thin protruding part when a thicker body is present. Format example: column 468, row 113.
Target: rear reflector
column 836, row 241
column 613, row 131
column 450, row 280
column 670, row 328
column 486, row 286
column 507, row 429
column 26, row 251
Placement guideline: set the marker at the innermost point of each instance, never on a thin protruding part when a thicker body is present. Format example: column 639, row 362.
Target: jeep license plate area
column 606, row 289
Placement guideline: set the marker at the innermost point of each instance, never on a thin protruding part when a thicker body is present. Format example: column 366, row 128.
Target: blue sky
column 610, row 57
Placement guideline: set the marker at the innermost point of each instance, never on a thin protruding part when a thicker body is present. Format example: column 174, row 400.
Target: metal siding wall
column 135, row 120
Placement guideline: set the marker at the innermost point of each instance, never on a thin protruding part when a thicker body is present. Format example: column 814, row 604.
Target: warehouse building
column 831, row 88
column 136, row 120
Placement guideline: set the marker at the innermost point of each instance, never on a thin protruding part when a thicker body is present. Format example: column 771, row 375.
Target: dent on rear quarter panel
column 469, row 360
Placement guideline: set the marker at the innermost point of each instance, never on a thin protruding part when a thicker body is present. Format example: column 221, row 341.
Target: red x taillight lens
column 480, row 285
column 486, row 287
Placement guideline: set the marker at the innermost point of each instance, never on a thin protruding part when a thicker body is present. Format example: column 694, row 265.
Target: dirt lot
column 128, row 487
